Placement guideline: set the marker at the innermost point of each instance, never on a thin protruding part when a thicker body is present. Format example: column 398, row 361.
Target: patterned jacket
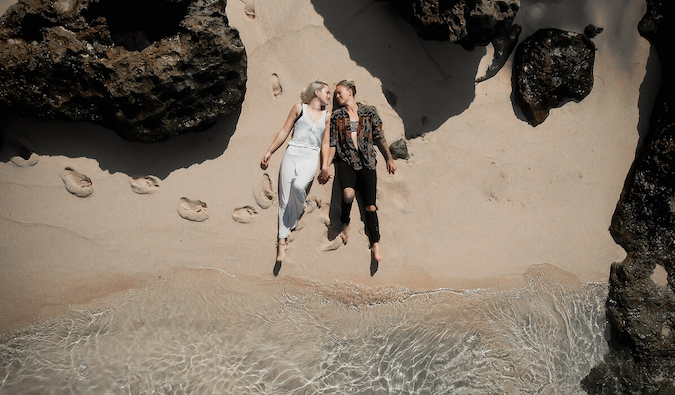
column 370, row 129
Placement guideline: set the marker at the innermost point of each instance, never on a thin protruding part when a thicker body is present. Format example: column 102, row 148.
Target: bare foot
column 344, row 235
column 375, row 252
column 281, row 250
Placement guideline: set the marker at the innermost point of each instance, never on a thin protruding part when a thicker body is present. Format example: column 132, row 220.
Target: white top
column 308, row 134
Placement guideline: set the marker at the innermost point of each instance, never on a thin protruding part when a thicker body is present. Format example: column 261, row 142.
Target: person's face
column 323, row 95
column 342, row 94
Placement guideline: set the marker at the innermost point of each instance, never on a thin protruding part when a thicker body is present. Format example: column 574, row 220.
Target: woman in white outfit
column 307, row 121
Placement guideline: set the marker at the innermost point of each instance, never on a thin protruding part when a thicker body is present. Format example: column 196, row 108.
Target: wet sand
column 483, row 197
column 200, row 331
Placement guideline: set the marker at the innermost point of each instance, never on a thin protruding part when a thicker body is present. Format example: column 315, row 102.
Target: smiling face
column 323, row 95
column 343, row 94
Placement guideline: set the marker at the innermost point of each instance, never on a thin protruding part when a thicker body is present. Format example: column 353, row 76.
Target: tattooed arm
column 384, row 149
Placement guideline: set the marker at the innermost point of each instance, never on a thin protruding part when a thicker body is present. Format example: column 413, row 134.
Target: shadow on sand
column 114, row 154
column 426, row 82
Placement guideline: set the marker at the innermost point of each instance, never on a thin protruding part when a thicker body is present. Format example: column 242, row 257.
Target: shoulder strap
column 302, row 111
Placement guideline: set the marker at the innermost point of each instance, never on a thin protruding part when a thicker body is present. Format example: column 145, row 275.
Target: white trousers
column 297, row 171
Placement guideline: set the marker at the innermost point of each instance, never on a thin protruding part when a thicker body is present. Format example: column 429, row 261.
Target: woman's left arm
column 384, row 149
column 381, row 142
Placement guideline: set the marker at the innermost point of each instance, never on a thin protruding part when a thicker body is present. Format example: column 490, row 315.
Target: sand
column 483, row 197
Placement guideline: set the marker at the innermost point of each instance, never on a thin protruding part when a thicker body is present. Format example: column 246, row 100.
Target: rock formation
column 148, row 70
column 399, row 149
column 503, row 45
column 641, row 313
column 551, row 67
column 467, row 22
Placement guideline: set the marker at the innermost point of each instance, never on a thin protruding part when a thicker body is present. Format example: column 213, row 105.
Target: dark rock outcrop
column 469, row 23
column 399, row 149
column 641, row 314
column 551, row 67
column 503, row 45
column 591, row 30
column 147, row 69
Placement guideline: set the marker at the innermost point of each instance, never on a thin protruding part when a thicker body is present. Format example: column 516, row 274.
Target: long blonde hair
column 307, row 94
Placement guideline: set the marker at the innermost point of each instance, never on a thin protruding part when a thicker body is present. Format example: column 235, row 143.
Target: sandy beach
column 483, row 197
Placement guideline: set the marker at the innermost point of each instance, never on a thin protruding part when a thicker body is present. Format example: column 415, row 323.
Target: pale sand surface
column 483, row 197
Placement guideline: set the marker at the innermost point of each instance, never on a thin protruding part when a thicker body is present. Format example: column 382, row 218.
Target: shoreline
column 102, row 291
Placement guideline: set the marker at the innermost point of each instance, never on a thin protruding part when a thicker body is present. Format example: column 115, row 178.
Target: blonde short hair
column 307, row 94
column 349, row 84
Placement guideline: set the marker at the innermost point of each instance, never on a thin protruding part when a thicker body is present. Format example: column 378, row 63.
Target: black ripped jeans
column 364, row 182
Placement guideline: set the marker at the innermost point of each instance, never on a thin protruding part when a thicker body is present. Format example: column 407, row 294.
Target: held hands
column 324, row 175
column 265, row 161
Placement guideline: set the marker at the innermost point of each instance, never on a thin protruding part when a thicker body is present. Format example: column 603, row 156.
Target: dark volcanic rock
column 551, row 67
column 503, row 45
column 467, row 22
column 591, row 31
column 147, row 69
column 399, row 149
column 641, row 313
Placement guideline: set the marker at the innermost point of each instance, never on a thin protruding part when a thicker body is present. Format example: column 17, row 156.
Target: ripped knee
column 348, row 195
column 371, row 209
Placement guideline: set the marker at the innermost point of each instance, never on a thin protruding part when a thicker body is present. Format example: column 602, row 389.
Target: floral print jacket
column 369, row 130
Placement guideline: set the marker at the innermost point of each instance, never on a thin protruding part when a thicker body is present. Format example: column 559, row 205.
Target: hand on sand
column 265, row 161
column 391, row 166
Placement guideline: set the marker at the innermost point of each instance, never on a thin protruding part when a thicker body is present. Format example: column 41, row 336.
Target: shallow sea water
column 206, row 332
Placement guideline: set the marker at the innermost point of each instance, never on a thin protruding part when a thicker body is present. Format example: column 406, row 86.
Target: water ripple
column 201, row 332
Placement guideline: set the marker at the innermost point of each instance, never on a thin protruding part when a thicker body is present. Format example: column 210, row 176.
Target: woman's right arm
column 282, row 135
column 327, row 153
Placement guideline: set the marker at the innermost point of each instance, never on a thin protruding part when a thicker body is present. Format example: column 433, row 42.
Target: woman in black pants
column 355, row 129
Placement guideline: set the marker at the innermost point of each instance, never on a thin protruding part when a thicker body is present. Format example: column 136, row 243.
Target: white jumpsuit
column 298, row 169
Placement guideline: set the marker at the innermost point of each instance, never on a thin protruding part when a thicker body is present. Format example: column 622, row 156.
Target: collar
column 361, row 110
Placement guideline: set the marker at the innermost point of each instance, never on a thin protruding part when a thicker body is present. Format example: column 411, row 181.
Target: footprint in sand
column 276, row 86
column 332, row 245
column 244, row 214
column 193, row 210
column 77, row 183
column 265, row 195
column 144, row 185
column 25, row 153
column 249, row 9
column 312, row 204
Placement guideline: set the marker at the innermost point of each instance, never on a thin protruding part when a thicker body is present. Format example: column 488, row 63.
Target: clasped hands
column 324, row 175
